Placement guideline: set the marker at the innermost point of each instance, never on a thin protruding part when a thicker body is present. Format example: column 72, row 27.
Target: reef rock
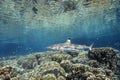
column 43, row 56
column 105, row 56
column 49, row 69
column 85, row 72
column 66, row 64
column 97, row 64
column 118, row 65
column 94, row 63
column 82, row 57
column 60, row 57
column 27, row 62
column 49, row 77
column 7, row 72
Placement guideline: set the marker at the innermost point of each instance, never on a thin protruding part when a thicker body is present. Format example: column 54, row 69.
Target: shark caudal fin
column 90, row 47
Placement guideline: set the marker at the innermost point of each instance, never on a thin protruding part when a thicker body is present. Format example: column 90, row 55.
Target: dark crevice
column 34, row 9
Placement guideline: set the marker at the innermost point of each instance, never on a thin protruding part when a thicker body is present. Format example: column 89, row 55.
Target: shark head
column 60, row 46
column 53, row 47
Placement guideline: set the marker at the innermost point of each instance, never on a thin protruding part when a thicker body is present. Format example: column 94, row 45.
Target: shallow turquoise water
column 23, row 34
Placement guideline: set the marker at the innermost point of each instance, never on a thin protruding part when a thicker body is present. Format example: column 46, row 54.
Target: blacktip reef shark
column 68, row 46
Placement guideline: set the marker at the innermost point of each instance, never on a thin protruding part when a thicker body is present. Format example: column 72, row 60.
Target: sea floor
column 98, row 64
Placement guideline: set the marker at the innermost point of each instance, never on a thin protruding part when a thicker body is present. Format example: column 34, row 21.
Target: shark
column 68, row 46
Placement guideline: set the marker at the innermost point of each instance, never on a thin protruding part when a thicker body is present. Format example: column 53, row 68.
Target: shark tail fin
column 90, row 47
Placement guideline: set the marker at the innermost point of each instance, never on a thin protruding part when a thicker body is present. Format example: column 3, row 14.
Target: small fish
column 68, row 46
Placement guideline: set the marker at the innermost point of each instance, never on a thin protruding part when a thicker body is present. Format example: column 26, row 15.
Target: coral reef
column 82, row 58
column 49, row 70
column 49, row 77
column 60, row 57
column 7, row 72
column 28, row 62
column 105, row 56
column 73, row 53
column 53, row 65
column 85, row 72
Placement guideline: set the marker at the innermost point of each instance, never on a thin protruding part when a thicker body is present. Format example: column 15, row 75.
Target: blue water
column 20, row 41
column 16, row 38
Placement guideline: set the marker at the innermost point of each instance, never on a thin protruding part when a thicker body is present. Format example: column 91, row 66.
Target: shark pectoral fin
column 90, row 47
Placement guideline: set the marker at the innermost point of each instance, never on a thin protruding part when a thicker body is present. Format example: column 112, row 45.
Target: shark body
column 68, row 46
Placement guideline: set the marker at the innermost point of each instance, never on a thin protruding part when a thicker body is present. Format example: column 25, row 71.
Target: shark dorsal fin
column 68, row 41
